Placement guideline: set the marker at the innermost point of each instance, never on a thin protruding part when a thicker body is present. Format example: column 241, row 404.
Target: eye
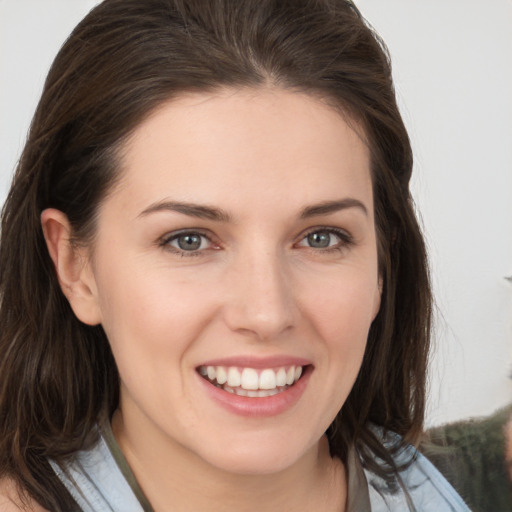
column 187, row 242
column 326, row 239
column 320, row 239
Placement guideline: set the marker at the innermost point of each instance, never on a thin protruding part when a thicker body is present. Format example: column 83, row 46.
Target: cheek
column 151, row 315
column 342, row 307
column 341, row 311
column 341, row 315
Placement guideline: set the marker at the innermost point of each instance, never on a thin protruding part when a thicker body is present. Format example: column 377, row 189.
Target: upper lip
column 258, row 362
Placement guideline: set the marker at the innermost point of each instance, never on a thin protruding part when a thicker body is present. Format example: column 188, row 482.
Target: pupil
column 319, row 240
column 189, row 242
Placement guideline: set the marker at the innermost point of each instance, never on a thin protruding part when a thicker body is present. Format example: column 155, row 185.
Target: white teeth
column 234, row 377
column 222, row 375
column 260, row 393
column 281, row 377
column 267, row 379
column 250, row 379
column 251, row 382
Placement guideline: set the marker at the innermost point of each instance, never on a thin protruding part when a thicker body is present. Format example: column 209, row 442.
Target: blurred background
column 452, row 62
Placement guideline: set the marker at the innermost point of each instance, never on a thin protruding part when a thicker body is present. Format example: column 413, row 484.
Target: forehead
column 256, row 143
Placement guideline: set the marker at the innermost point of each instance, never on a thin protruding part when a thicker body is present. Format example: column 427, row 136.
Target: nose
column 260, row 300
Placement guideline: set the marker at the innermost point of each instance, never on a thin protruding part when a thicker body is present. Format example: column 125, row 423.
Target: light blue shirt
column 100, row 480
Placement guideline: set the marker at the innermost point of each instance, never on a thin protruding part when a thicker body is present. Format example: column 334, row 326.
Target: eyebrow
column 328, row 207
column 191, row 209
column 219, row 215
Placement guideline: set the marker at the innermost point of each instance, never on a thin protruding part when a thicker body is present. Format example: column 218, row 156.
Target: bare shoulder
column 10, row 500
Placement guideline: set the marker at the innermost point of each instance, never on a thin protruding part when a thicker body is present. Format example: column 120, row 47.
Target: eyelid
column 346, row 239
column 165, row 241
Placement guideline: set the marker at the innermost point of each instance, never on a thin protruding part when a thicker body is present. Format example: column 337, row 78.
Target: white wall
column 31, row 33
column 453, row 70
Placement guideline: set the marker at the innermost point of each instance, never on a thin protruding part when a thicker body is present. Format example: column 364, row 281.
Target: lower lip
column 258, row 406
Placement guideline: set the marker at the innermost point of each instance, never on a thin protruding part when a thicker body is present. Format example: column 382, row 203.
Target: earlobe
column 72, row 267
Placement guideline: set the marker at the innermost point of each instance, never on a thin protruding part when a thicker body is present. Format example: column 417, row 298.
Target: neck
column 172, row 478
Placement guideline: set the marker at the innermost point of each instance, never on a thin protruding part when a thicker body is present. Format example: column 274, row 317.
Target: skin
column 255, row 288
column 10, row 500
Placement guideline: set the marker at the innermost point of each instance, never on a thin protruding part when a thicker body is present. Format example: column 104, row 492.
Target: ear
column 72, row 265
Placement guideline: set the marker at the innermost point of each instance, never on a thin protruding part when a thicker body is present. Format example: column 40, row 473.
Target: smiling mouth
column 250, row 382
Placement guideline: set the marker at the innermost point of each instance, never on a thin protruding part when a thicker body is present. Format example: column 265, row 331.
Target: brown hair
column 122, row 61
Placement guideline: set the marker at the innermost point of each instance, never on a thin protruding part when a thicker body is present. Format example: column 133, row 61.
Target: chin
column 257, row 458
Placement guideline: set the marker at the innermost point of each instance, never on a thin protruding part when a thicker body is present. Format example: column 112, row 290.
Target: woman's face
column 237, row 252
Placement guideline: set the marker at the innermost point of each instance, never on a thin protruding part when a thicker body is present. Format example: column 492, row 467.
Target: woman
column 220, row 300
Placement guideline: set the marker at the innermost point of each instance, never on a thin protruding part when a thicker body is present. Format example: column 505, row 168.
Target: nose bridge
column 261, row 299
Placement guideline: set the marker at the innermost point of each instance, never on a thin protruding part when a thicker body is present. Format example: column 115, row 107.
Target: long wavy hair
column 127, row 57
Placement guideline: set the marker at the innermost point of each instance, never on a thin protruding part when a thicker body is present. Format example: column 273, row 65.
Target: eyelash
column 165, row 242
column 345, row 241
